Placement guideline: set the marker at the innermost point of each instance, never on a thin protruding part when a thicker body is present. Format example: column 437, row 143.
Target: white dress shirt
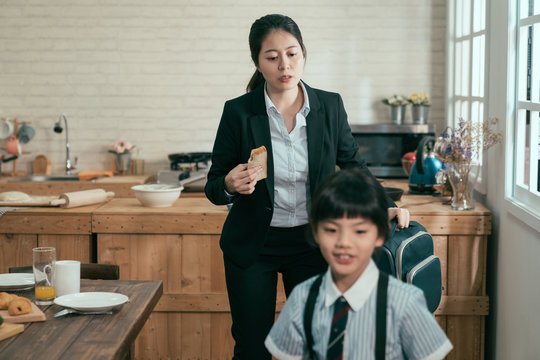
column 289, row 150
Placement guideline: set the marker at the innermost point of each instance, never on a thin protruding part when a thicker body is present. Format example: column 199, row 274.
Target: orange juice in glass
column 44, row 264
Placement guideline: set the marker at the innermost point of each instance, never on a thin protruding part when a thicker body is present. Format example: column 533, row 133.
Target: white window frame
column 522, row 201
column 456, row 40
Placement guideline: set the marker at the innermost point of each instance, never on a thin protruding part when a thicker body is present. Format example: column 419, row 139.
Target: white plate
column 91, row 301
column 16, row 281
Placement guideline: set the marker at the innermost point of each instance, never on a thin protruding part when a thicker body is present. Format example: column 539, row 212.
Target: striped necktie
column 337, row 330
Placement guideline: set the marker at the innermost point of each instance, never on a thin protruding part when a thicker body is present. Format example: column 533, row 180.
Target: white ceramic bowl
column 157, row 195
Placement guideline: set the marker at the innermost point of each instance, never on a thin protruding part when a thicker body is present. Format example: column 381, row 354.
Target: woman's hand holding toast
column 242, row 180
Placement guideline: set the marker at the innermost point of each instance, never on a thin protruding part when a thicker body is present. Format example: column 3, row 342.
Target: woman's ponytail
column 255, row 81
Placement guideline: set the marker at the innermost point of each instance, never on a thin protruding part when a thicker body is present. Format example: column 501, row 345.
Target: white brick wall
column 158, row 72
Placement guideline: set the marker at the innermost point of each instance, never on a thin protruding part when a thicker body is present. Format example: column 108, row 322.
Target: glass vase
column 462, row 177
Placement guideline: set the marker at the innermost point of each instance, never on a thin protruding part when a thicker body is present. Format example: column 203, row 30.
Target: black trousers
column 252, row 290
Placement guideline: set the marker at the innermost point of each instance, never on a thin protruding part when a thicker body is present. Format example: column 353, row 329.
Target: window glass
column 523, row 9
column 479, row 16
column 459, row 19
column 535, row 149
column 467, row 56
column 478, row 49
column 458, row 70
column 457, row 111
column 522, row 159
column 464, row 111
column 465, row 59
column 527, row 123
column 466, row 20
column 535, row 62
column 529, row 8
column 477, row 111
column 523, row 59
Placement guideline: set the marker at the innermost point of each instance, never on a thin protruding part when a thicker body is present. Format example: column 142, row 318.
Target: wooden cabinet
column 68, row 230
column 460, row 241
column 180, row 246
column 16, row 250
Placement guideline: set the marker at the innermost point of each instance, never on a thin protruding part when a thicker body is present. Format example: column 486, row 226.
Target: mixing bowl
column 157, row 195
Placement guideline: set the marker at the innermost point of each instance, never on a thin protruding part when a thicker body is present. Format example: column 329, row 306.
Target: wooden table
column 87, row 336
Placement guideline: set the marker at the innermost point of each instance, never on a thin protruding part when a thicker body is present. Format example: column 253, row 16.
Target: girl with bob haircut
column 348, row 220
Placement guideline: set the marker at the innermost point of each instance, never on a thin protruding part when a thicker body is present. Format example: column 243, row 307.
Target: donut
column 19, row 306
column 5, row 299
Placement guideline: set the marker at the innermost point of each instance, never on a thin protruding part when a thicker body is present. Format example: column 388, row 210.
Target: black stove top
column 196, row 160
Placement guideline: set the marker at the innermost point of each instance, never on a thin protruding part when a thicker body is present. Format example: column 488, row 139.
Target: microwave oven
column 383, row 145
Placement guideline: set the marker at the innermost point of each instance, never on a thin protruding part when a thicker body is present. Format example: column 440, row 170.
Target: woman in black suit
column 306, row 134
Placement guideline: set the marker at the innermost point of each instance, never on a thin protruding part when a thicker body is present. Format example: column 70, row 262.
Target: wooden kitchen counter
column 68, row 230
column 120, row 185
column 48, row 220
column 188, row 215
column 180, row 246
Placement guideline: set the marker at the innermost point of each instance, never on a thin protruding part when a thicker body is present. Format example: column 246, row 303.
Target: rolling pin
column 81, row 198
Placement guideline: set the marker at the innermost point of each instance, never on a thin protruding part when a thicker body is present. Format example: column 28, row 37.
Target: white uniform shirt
column 289, row 150
column 412, row 332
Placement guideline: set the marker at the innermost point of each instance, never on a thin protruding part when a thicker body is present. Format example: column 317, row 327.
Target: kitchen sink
column 42, row 178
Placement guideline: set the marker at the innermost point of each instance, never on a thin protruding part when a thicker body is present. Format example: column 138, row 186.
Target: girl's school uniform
column 412, row 331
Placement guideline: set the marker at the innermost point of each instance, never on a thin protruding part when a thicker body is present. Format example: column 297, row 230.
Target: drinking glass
column 44, row 264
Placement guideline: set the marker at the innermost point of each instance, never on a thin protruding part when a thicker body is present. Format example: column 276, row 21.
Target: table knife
column 73, row 311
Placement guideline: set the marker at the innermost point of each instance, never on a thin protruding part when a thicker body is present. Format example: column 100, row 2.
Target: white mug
column 6, row 128
column 68, row 277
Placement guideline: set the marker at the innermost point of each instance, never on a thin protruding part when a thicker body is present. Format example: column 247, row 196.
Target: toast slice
column 259, row 158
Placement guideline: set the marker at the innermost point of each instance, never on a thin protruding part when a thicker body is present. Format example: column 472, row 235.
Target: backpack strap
column 380, row 319
column 308, row 314
column 393, row 227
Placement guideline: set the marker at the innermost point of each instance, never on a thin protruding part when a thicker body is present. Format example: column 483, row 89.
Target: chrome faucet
column 58, row 129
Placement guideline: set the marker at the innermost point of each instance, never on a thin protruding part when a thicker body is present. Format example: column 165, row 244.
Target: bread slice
column 258, row 158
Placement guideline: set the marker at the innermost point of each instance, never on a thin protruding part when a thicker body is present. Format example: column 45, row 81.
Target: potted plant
column 397, row 105
column 122, row 149
column 420, row 107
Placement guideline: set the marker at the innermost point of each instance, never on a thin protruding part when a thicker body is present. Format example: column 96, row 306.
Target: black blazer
column 245, row 126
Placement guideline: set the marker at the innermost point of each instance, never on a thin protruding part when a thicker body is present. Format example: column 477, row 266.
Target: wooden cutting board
column 35, row 315
column 8, row 330
column 41, row 165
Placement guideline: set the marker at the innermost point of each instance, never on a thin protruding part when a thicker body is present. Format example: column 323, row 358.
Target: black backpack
column 408, row 256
